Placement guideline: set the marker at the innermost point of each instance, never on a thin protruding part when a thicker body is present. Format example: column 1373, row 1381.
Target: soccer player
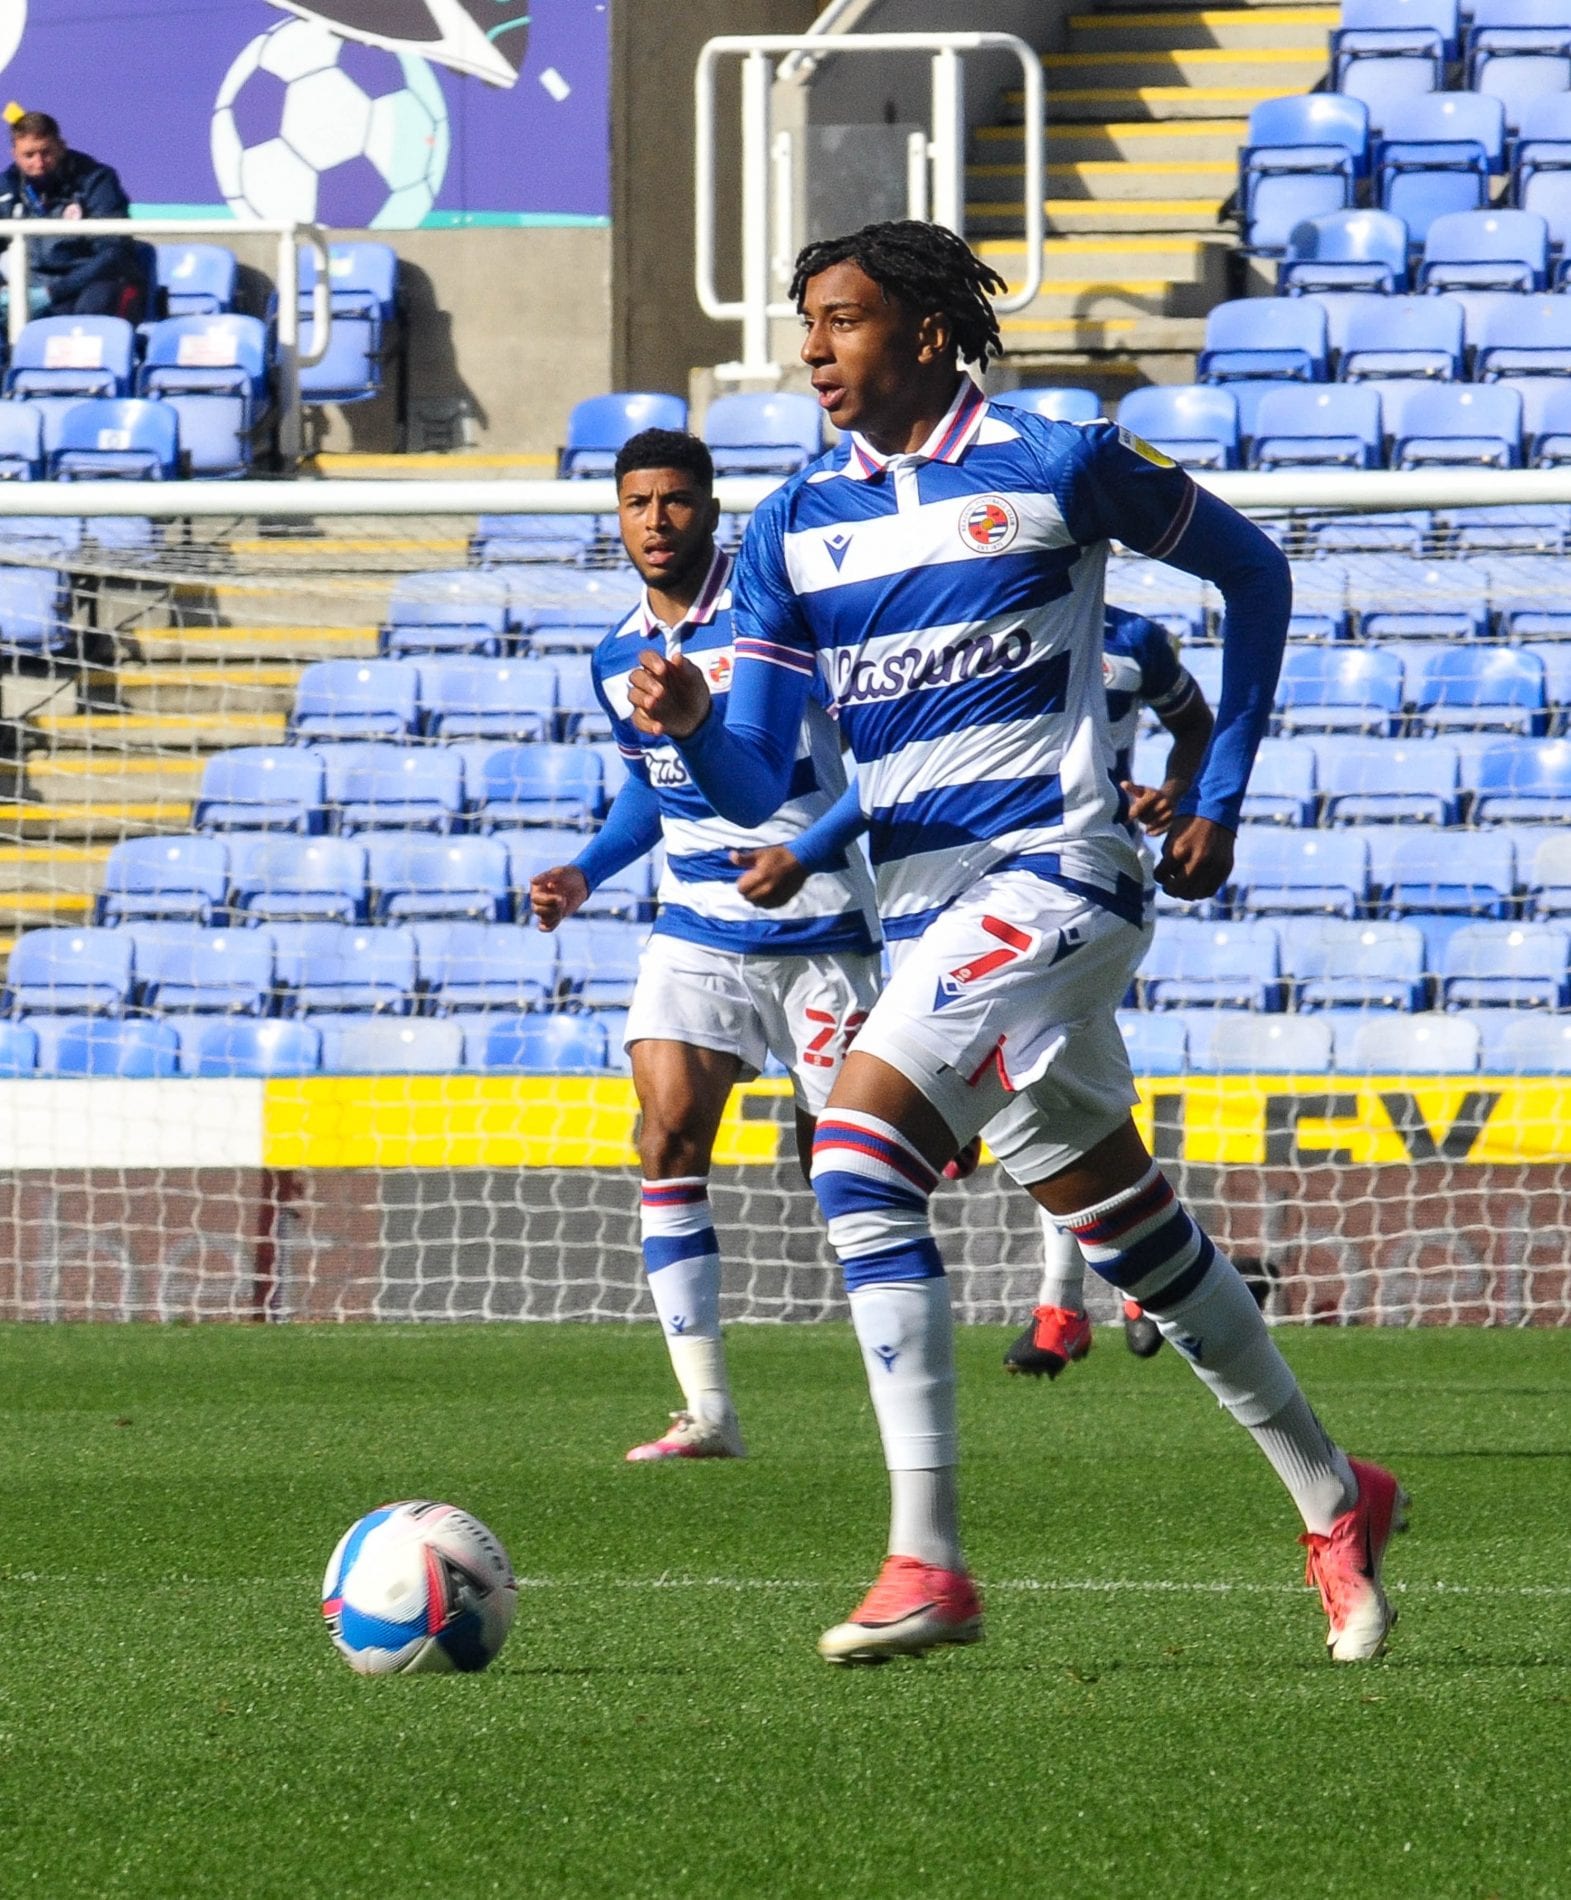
column 1139, row 668
column 941, row 571
column 719, row 985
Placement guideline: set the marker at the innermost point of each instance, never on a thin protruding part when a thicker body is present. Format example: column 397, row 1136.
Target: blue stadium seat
column 1396, row 29
column 1286, row 873
column 1479, row 688
column 213, row 372
column 1402, row 532
column 561, row 595
column 1397, row 598
column 195, row 280
column 1345, row 250
column 1454, row 423
column 33, row 611
column 1282, row 786
column 1354, row 963
column 1543, row 144
column 1531, row 596
column 1437, row 156
column 1442, row 872
column 1221, row 965
column 69, row 970
column 262, row 788
column 1330, row 427
column 117, row 438
column 1526, row 781
column 454, row 877
column 1526, row 1042
column 535, row 848
column 1323, row 689
column 297, row 880
column 1519, row 80
column 452, row 610
column 764, row 434
column 1386, row 1043
column 490, row 699
column 501, row 539
column 183, row 967
column 363, row 293
column 1531, row 337
column 1546, row 192
column 129, row 1047
column 1486, row 250
column 627, row 895
column 21, row 443
column 1171, row 598
column 1509, row 530
column 557, row 1043
column 1303, row 158
column 176, row 878
column 1385, row 781
column 1506, row 966
column 1383, row 83
column 362, row 279
column 1252, row 337
column 356, row 699
column 248, row 1045
column 1545, row 875
column 599, row 426
column 1319, row 598
column 472, row 966
column 537, row 785
column 1156, row 1044
column 346, row 967
column 600, row 962
column 1196, row 424
column 1402, row 336
column 390, row 1045
column 580, row 715
column 1555, row 658
column 1055, row 405
column 72, row 356
column 1238, row 1042
column 377, row 786
column 18, row 1050
column 1517, row 26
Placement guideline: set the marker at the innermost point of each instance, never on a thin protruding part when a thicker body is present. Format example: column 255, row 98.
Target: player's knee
column 670, row 1151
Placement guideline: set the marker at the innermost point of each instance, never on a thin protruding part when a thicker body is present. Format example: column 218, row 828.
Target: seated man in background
column 69, row 276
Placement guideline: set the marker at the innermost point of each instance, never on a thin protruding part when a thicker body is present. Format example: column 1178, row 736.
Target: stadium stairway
column 1146, row 110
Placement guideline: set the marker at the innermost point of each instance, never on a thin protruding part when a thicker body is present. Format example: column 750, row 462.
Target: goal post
column 148, row 630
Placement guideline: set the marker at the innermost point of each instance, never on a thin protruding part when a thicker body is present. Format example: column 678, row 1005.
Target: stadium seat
column 598, row 427
column 1516, row 26
column 1442, row 872
column 377, row 786
column 600, row 962
column 490, row 699
column 129, row 1047
column 33, row 619
column 195, row 280
column 1270, row 337
column 1437, row 156
column 117, row 438
column 213, row 372
column 536, row 785
column 363, row 293
column 346, row 967
column 1386, row 1043
column 176, row 878
column 72, row 356
column 1531, row 598
column 297, row 880
column 1347, row 250
column 1156, row 1044
column 1284, row 873
column 1054, row 405
column 1384, row 83
column 390, row 1045
column 1486, row 250
column 1451, row 424
column 1168, row 596
column 1225, row 965
column 1525, row 1043
column 1402, row 336
column 580, row 715
column 1528, row 781
column 1319, row 599
column 1506, row 966
column 18, row 1050
column 1555, row 658
column 1545, row 875
column 1282, row 785
column 262, row 788
column 1331, row 427
column 501, row 539
column 1383, row 781
column 1509, row 530
column 1531, row 337
column 1337, row 963
column 21, row 443
column 532, row 849
column 1303, row 158
column 70, row 970
column 247, row 1045
column 759, row 434
column 556, row 1043
column 449, row 611
column 1403, row 532
column 628, row 895
column 1479, row 688
column 558, row 595
column 413, row 878
column 1236, row 1042
column 356, row 699
column 1518, row 80
column 1397, row 598
column 1196, row 424
column 1322, row 689
column 1396, row 29
column 183, row 967
column 490, row 966
column 362, row 279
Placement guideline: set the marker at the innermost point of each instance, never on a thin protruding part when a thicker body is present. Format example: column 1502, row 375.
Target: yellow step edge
column 7, row 945
column 1215, row 16
column 1102, row 208
column 1091, row 246
column 157, row 722
column 346, row 462
column 1192, row 55
column 46, row 902
column 1129, row 129
column 1113, row 167
column 1160, row 95
column 1070, row 323
column 366, row 544
column 1107, row 287
column 178, row 813
column 177, row 673
column 116, row 765
column 52, row 854
column 238, row 636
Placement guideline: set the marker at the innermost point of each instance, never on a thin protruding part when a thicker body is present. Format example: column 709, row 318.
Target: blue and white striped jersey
column 698, row 897
column 950, row 601
column 1139, row 668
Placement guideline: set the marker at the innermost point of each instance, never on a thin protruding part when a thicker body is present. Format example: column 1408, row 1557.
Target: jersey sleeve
column 1164, row 684
column 1115, row 487
column 766, row 618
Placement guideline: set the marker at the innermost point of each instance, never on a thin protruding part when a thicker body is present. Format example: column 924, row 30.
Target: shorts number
column 822, row 1052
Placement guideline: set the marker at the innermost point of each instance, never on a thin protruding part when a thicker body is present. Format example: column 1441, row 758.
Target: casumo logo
column 666, row 769
column 910, row 669
column 989, row 525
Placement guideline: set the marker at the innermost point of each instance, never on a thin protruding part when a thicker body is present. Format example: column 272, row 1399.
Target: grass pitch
column 1151, row 1713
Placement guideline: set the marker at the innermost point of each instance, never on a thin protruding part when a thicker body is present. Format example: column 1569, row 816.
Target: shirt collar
column 704, row 604
column 949, row 440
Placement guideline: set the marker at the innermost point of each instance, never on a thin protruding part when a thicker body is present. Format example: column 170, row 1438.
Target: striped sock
column 682, row 1260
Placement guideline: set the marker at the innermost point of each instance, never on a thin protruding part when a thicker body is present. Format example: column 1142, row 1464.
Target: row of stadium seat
column 527, row 697
column 1347, row 1042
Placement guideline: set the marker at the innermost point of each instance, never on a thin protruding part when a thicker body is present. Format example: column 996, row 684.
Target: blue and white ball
column 418, row 1588
column 314, row 128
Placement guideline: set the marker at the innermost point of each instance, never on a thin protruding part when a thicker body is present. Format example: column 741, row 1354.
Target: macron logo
column 886, row 1357
column 837, row 546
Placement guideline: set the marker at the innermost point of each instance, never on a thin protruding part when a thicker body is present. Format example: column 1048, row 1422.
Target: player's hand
column 670, row 696
column 770, row 877
column 1154, row 807
column 1197, row 859
column 556, row 894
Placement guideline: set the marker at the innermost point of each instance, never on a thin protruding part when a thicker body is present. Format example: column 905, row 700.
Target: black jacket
column 64, row 266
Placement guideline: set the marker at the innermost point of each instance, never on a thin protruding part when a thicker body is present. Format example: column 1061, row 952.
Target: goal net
column 239, row 1080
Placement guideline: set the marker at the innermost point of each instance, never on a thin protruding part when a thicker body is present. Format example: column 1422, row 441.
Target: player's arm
column 1189, row 721
column 631, row 830
column 773, row 876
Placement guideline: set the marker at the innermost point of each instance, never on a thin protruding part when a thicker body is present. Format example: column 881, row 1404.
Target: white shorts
column 804, row 1009
column 1002, row 1013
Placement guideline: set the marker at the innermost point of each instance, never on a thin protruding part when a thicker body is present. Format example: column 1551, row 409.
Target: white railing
column 287, row 279
column 935, row 171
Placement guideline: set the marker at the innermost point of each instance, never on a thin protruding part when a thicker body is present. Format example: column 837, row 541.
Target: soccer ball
column 319, row 129
column 418, row 1588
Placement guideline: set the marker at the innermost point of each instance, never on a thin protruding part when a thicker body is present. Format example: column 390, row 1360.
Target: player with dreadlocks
column 941, row 572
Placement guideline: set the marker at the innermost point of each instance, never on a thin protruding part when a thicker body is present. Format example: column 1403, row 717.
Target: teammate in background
column 719, row 985
column 941, row 572
column 1139, row 668
column 72, row 276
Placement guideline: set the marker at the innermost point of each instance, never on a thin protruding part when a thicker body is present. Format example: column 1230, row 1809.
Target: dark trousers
column 104, row 297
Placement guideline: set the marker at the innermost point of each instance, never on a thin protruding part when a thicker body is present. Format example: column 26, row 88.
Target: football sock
column 1314, row 1470
column 924, row 1517
column 1063, row 1268
column 682, row 1260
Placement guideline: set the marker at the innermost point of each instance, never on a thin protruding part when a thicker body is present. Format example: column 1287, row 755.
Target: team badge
column 1107, row 671
column 1144, row 450
column 720, row 670
column 989, row 525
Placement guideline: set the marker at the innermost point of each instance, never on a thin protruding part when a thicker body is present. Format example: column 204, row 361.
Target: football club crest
column 989, row 525
column 719, row 671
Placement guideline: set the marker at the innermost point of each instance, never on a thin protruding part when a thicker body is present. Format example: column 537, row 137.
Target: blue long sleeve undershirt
column 822, row 847
column 631, row 830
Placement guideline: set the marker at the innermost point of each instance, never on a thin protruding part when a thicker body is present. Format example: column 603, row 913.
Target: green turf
column 1151, row 1713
